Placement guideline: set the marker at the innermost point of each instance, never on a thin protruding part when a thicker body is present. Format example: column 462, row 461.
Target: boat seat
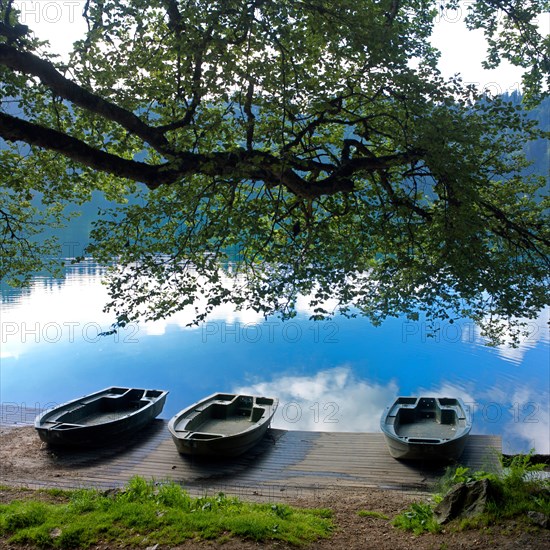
column 406, row 416
column 448, row 416
column 203, row 435
column 69, row 415
column 263, row 401
column 432, row 440
column 257, row 413
column 66, row 426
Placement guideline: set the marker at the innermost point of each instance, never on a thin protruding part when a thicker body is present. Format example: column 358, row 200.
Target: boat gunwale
column 41, row 420
column 390, row 433
column 186, row 438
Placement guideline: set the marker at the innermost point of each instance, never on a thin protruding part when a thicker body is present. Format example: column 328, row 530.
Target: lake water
column 336, row 375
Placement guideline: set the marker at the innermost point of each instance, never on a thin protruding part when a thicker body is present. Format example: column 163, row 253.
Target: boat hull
column 101, row 417
column 426, row 428
column 222, row 425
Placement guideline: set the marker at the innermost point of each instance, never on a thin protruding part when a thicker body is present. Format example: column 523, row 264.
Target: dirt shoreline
column 24, row 457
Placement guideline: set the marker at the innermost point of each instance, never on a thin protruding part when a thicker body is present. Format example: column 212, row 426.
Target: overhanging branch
column 16, row 129
column 30, row 64
column 251, row 165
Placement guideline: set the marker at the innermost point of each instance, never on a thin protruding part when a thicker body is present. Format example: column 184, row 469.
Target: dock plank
column 283, row 464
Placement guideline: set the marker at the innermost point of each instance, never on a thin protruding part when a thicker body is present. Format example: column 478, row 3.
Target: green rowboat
column 222, row 425
column 426, row 428
column 100, row 417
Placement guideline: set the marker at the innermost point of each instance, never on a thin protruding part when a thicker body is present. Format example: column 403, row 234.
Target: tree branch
column 392, row 13
column 253, row 165
column 250, row 115
column 524, row 234
column 16, row 129
column 371, row 163
column 402, row 201
column 175, row 20
column 30, row 64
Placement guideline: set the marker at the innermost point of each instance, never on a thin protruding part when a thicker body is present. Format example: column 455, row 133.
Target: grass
column 418, row 518
column 145, row 513
column 516, row 491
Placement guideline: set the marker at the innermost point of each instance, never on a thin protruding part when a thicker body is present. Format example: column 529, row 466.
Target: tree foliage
column 278, row 148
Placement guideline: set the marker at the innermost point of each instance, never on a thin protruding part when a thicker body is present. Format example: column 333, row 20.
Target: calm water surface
column 336, row 375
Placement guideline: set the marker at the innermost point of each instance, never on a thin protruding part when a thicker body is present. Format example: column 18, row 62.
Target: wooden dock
column 285, row 464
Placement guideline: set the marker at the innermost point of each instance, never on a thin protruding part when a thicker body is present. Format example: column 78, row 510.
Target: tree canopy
column 276, row 148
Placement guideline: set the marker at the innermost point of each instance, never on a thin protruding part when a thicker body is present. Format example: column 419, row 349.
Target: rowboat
column 99, row 417
column 426, row 428
column 222, row 425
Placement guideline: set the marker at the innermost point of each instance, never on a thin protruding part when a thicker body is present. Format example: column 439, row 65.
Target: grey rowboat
column 100, row 417
column 222, row 425
column 426, row 428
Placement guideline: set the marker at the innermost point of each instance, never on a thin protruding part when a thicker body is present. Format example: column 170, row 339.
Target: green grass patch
column 147, row 513
column 418, row 518
column 518, row 490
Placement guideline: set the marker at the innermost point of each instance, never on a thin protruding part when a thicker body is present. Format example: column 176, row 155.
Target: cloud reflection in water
column 337, row 400
column 331, row 400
